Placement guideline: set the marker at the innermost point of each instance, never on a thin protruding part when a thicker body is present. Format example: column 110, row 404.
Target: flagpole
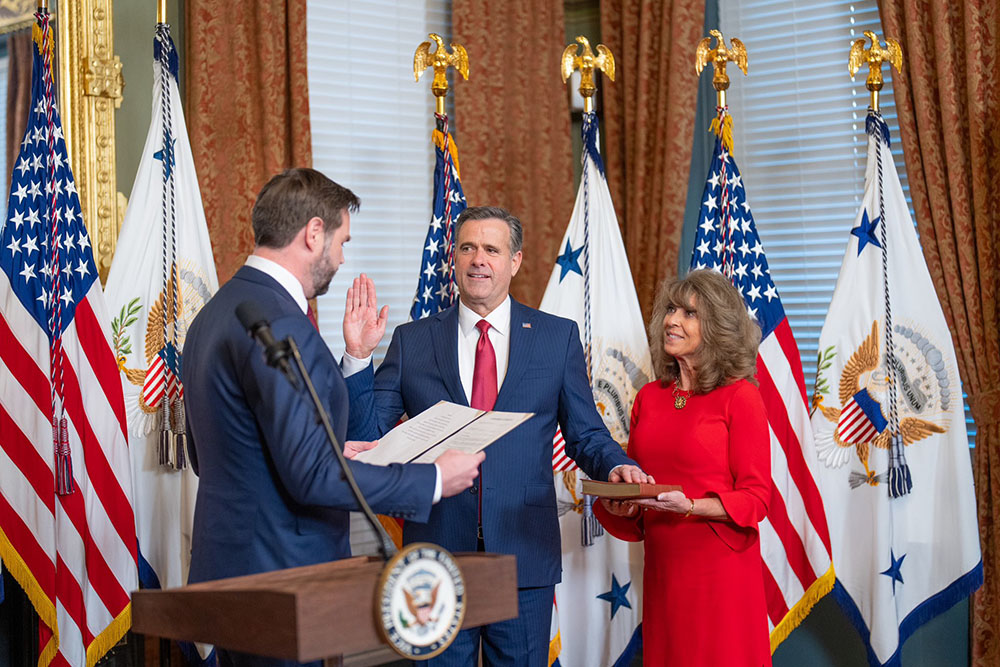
column 161, row 11
column 586, row 62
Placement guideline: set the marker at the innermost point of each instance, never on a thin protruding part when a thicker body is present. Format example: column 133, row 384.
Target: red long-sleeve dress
column 703, row 582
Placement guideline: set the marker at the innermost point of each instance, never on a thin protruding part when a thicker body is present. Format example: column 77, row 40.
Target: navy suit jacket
column 546, row 374
column 270, row 491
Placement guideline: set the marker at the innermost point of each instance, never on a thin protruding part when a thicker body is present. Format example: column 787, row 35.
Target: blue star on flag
column 893, row 571
column 616, row 596
column 866, row 232
column 166, row 155
column 569, row 261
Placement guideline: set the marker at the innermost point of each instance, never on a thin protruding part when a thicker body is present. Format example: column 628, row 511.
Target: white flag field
column 890, row 428
column 161, row 275
column 599, row 602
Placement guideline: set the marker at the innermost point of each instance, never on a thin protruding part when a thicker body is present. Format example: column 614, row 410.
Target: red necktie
column 484, row 377
column 311, row 314
column 484, row 395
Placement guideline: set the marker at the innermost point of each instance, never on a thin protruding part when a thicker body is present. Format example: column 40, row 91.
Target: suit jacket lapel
column 446, row 353
column 522, row 341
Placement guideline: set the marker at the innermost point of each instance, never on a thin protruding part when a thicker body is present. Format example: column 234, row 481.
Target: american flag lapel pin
column 525, row 325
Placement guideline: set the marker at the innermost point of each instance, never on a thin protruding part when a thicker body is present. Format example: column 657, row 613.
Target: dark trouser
column 520, row 642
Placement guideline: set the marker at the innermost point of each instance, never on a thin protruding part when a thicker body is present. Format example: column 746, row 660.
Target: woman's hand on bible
column 670, row 501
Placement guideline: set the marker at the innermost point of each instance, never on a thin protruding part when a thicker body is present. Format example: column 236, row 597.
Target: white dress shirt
column 468, row 340
column 283, row 276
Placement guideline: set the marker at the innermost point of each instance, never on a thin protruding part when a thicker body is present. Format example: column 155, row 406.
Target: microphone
column 255, row 322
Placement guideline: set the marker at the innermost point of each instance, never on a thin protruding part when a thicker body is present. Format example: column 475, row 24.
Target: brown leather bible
column 624, row 490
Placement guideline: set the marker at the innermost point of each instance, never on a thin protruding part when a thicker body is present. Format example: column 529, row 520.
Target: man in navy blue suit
column 531, row 362
column 270, row 491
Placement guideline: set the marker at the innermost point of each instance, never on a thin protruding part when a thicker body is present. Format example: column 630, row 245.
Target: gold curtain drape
column 18, row 93
column 247, row 109
column 513, row 124
column 648, row 123
column 948, row 101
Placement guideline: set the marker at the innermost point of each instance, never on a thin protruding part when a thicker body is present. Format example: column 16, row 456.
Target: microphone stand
column 386, row 547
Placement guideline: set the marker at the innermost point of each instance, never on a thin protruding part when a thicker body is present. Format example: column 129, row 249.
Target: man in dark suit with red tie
column 490, row 352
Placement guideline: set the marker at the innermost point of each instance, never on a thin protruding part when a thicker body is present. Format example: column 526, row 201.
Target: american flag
column 795, row 541
column 436, row 289
column 67, row 530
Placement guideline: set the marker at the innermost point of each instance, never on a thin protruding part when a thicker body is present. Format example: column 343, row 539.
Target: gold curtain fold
column 648, row 124
column 948, row 101
column 247, row 109
column 18, row 93
column 513, row 124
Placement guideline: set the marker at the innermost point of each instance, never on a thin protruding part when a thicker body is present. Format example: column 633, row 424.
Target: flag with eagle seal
column 599, row 601
column 889, row 427
column 162, row 274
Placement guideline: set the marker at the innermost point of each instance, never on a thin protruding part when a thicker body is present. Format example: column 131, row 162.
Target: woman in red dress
column 701, row 425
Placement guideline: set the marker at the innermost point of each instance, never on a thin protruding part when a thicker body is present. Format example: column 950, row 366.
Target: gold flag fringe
column 796, row 614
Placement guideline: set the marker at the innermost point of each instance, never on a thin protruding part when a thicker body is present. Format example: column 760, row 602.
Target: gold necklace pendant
column 680, row 400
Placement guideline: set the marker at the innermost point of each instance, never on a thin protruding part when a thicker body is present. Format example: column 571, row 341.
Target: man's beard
column 322, row 271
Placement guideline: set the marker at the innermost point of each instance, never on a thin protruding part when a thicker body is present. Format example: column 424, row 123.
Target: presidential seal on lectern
column 420, row 601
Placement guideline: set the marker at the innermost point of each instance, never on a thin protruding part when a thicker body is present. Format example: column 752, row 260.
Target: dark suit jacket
column 546, row 374
column 270, row 491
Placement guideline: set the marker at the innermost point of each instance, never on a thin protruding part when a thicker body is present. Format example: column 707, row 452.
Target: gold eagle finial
column 719, row 56
column 587, row 62
column 440, row 60
column 874, row 55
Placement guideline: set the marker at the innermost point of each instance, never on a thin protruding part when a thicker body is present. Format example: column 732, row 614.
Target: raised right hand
column 364, row 323
column 458, row 470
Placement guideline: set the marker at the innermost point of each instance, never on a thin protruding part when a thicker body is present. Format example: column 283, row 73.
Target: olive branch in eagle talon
column 120, row 339
column 875, row 55
column 823, row 362
column 719, row 56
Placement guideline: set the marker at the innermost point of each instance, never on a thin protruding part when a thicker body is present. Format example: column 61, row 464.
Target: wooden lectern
column 310, row 613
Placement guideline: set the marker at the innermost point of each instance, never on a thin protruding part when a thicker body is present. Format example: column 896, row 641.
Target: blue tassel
column 876, row 127
column 590, row 527
column 591, row 139
column 900, row 482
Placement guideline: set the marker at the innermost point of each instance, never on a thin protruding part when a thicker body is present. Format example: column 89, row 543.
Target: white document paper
column 444, row 426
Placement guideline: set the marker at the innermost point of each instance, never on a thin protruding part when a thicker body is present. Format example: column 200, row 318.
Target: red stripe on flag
column 102, row 477
column 71, row 598
column 23, row 540
column 783, row 332
column 25, row 369
column 776, row 607
column 25, row 458
column 59, row 660
column 795, row 552
column 102, row 360
column 777, row 417
column 99, row 574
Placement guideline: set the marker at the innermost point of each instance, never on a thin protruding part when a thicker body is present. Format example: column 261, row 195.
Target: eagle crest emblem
column 860, row 419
